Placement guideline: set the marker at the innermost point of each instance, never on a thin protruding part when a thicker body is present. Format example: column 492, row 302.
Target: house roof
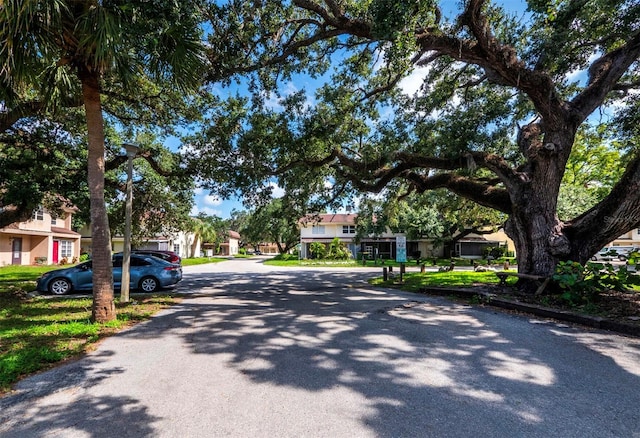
column 234, row 234
column 331, row 218
column 477, row 239
column 64, row 231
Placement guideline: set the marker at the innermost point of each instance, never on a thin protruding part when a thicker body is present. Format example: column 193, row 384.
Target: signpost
column 401, row 253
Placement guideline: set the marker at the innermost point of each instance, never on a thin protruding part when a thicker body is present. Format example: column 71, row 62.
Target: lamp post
column 132, row 150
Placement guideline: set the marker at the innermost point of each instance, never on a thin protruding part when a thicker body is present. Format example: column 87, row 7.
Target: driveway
column 257, row 351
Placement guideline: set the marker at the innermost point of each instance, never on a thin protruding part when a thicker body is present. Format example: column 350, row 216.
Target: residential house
column 231, row 245
column 270, row 248
column 325, row 227
column 473, row 245
column 632, row 238
column 181, row 242
column 44, row 239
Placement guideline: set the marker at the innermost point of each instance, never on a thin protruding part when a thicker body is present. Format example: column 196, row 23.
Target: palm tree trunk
column 194, row 244
column 103, row 309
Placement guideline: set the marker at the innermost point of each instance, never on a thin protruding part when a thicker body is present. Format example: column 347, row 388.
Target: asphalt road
column 255, row 351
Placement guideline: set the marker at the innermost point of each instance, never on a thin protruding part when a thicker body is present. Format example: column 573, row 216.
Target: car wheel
column 622, row 258
column 148, row 284
column 594, row 258
column 60, row 286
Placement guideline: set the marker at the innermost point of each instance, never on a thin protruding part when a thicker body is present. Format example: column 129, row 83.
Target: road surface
column 258, row 351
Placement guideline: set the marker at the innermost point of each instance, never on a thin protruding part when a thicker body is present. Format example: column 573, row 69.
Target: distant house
column 473, row 246
column 44, row 239
column 180, row 242
column 632, row 238
column 231, row 245
column 324, row 228
column 268, row 248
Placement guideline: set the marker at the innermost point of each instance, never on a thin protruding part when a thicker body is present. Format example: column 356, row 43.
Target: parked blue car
column 147, row 273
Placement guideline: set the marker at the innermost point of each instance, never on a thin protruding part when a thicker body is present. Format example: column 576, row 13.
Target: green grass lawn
column 335, row 263
column 296, row 262
column 289, row 260
column 416, row 281
column 201, row 260
column 38, row 332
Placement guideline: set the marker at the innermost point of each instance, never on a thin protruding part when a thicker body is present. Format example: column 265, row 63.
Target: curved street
column 259, row 351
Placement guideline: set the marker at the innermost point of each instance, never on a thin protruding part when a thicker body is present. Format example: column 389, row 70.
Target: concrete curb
column 562, row 315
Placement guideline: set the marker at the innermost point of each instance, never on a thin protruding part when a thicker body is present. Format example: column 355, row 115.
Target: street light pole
column 132, row 150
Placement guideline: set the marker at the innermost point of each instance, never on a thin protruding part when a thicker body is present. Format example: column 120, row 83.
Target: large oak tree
column 494, row 121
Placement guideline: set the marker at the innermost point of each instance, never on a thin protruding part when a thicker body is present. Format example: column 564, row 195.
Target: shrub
column 318, row 250
column 338, row 250
column 286, row 257
column 494, row 252
column 583, row 284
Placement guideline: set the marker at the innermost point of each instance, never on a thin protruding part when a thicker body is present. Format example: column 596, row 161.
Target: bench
column 540, row 280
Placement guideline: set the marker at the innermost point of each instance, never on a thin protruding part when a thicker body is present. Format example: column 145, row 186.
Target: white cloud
column 274, row 102
column 276, row 190
column 411, row 84
column 196, row 209
column 581, row 76
column 211, row 200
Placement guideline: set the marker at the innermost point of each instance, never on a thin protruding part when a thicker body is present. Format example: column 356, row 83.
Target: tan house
column 44, row 239
column 473, row 246
column 231, row 245
column 324, row 228
column 632, row 238
column 182, row 243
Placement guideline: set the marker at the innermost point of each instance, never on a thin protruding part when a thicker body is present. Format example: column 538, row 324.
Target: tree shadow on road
column 410, row 363
column 86, row 415
column 314, row 353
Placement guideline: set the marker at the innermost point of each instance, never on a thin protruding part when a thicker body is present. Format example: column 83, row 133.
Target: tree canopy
column 503, row 96
column 276, row 221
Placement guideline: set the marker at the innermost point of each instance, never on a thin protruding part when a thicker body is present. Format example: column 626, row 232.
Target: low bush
column 583, row 284
column 286, row 257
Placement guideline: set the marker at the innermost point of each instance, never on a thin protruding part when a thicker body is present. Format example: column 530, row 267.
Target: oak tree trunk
column 533, row 225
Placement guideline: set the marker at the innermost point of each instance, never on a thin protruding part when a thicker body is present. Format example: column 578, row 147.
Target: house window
column 176, row 248
column 317, row 229
column 348, row 229
column 66, row 248
column 38, row 214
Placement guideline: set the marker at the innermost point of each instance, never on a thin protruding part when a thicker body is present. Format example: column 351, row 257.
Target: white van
column 603, row 254
column 622, row 252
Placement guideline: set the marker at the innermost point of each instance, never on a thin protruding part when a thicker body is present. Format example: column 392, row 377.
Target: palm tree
column 60, row 49
column 203, row 230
